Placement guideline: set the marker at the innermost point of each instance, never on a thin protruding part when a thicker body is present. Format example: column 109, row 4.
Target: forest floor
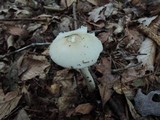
column 127, row 73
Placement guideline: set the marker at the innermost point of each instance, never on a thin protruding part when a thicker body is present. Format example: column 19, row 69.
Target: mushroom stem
column 88, row 78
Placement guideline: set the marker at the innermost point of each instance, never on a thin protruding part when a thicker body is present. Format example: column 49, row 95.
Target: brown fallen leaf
column 133, row 39
column 103, row 36
column 84, row 109
column 84, row 6
column 8, row 102
column 107, row 81
column 32, row 66
column 63, row 81
column 13, row 30
column 129, row 75
column 54, row 89
column 64, row 102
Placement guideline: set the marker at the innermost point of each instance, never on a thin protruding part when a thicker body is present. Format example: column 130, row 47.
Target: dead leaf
column 22, row 115
column 32, row 66
column 55, row 89
column 64, row 79
column 107, row 81
column 66, row 23
column 102, row 12
column 94, row 2
column 3, row 67
column 103, row 36
column 64, row 102
column 84, row 6
column 24, row 2
column 146, row 21
column 26, row 94
column 134, row 113
column 147, row 54
column 118, row 27
column 96, row 14
column 8, row 102
column 30, row 3
column 67, row 3
column 133, row 39
column 84, row 109
column 33, row 27
column 145, row 104
column 23, row 13
column 129, row 75
column 99, row 24
column 13, row 30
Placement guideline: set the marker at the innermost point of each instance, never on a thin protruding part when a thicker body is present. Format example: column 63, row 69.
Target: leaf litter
column 35, row 88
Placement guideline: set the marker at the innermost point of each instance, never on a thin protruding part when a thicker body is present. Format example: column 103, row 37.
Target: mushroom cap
column 75, row 49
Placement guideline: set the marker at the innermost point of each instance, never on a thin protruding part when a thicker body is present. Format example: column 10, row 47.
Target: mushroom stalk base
column 88, row 78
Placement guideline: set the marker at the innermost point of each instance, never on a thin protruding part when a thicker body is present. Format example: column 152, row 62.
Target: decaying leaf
column 33, row 27
column 121, row 88
column 129, row 75
column 119, row 27
column 22, row 115
column 30, row 3
column 146, row 21
column 23, row 13
column 68, row 95
column 106, row 82
column 55, row 89
column 8, row 102
column 101, row 13
column 133, row 39
column 94, row 2
column 147, row 54
column 145, row 104
column 134, row 113
column 103, row 36
column 67, row 3
column 13, row 30
column 64, row 102
column 3, row 67
column 150, row 33
column 65, row 24
column 32, row 66
column 84, row 6
column 84, row 109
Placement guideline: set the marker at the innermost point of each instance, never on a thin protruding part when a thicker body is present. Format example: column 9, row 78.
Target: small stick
column 23, row 48
column 126, row 67
column 23, row 19
column 74, row 15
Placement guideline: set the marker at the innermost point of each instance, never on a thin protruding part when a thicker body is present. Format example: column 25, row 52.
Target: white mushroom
column 78, row 50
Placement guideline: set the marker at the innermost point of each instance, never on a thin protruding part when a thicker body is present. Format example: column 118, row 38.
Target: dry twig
column 23, row 48
column 74, row 15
